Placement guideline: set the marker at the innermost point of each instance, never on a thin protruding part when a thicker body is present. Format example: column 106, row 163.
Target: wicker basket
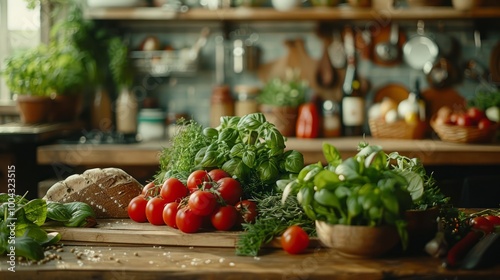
column 464, row 134
column 397, row 130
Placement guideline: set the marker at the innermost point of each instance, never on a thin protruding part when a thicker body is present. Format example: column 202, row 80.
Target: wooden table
column 157, row 252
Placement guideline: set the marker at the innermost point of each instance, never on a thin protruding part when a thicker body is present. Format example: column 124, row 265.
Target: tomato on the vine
column 136, row 209
column 187, row 221
column 202, row 203
column 294, row 240
column 247, row 211
column 197, row 179
column 475, row 114
column 224, row 218
column 169, row 213
column 482, row 224
column 173, row 190
column 230, row 190
column 217, row 174
column 495, row 220
column 484, row 123
column 154, row 210
column 150, row 189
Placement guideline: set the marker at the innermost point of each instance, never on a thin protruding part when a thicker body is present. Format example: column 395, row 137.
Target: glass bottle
column 353, row 111
column 332, row 126
column 420, row 101
column 126, row 112
column 101, row 114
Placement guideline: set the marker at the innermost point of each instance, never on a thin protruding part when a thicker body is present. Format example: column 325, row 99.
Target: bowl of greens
column 363, row 194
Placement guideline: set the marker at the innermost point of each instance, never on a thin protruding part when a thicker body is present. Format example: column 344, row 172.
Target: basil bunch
column 21, row 221
column 249, row 148
column 360, row 190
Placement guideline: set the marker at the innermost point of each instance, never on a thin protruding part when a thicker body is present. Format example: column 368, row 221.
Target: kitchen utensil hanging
column 388, row 51
column 420, row 49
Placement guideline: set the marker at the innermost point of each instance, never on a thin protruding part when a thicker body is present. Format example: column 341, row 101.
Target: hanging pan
column 420, row 49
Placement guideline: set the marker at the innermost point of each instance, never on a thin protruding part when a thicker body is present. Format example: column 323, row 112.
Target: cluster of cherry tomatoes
column 209, row 199
column 486, row 223
column 472, row 116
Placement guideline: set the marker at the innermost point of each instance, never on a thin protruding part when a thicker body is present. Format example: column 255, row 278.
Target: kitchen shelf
column 298, row 14
column 430, row 151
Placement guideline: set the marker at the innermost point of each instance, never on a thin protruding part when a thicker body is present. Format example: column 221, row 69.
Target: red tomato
column 217, row 174
column 137, row 209
column 169, row 213
column 196, row 179
column 173, row 190
column 247, row 210
column 202, row 203
column 475, row 114
column 482, row 224
column 230, row 190
column 308, row 121
column 187, row 221
column 150, row 189
column 495, row 220
column 484, row 123
column 464, row 120
column 224, row 218
column 294, row 240
column 154, row 210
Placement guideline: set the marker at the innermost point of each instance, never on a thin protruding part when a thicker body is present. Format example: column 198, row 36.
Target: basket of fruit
column 399, row 129
column 389, row 119
column 464, row 126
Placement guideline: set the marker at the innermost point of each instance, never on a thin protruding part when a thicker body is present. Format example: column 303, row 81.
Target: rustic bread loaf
column 108, row 191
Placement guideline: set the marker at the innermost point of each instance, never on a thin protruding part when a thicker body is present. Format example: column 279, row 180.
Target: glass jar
column 222, row 104
column 151, row 124
column 246, row 102
column 332, row 126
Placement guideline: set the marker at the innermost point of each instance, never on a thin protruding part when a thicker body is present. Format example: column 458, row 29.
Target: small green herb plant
column 360, row 190
column 289, row 92
column 21, row 223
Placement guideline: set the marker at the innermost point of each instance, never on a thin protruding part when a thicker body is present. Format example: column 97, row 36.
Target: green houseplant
column 279, row 102
column 27, row 76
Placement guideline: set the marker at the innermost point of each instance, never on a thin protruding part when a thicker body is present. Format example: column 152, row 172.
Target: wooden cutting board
column 126, row 231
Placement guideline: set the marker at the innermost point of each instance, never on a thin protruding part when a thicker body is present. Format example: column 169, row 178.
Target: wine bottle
column 353, row 103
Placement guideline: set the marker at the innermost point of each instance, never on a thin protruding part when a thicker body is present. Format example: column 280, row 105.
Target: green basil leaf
column 274, row 139
column 332, row 155
column 294, row 161
column 326, row 178
column 80, row 212
column 251, row 121
column 36, row 211
column 58, row 212
column 268, row 171
column 228, row 135
column 237, row 150
column 249, row 157
column 349, row 169
column 28, row 248
column 211, row 133
column 237, row 168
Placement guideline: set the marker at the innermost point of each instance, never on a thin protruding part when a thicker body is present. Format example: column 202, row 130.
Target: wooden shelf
column 431, row 152
column 299, row 14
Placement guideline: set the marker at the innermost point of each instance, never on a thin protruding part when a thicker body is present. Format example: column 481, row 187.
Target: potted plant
column 27, row 76
column 358, row 203
column 422, row 216
column 279, row 102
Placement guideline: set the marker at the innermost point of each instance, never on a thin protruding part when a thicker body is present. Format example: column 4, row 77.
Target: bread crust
column 108, row 191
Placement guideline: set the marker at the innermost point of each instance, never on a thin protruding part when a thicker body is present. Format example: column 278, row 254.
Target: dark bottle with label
column 353, row 103
column 353, row 111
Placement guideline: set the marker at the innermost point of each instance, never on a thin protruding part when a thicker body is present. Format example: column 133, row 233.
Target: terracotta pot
column 65, row 108
column 34, row 109
column 284, row 118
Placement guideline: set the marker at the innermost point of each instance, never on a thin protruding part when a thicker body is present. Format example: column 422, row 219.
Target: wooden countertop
column 431, row 152
column 180, row 262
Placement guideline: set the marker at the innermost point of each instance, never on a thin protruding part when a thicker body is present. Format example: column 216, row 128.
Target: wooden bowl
column 358, row 241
